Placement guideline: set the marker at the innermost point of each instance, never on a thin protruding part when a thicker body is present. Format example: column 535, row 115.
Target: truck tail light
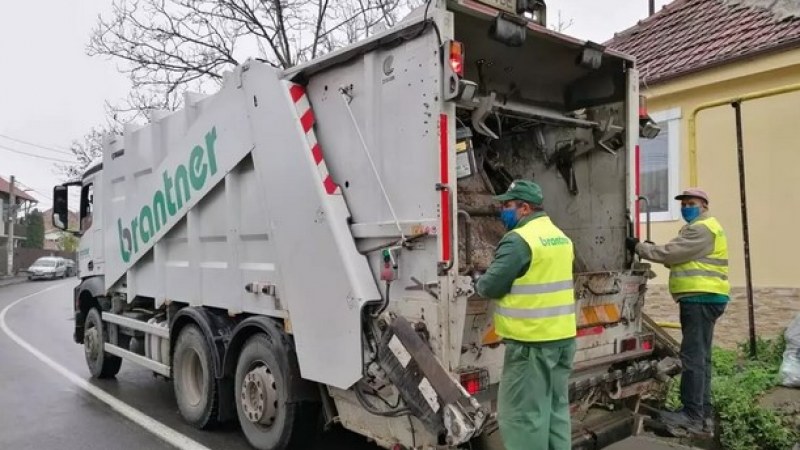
column 648, row 128
column 647, row 343
column 642, row 106
column 628, row 345
column 474, row 381
column 644, row 343
column 457, row 57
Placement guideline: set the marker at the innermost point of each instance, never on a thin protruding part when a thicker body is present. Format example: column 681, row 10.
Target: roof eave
column 794, row 43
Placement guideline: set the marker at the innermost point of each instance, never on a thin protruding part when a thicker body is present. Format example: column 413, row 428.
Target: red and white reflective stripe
column 590, row 331
column 306, row 116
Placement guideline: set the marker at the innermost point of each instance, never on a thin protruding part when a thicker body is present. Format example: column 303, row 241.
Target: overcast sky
column 51, row 93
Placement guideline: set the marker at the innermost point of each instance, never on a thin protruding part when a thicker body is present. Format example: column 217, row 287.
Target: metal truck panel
column 394, row 95
column 232, row 193
column 152, row 195
column 400, row 130
column 326, row 280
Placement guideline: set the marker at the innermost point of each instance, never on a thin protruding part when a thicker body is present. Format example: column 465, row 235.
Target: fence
column 24, row 257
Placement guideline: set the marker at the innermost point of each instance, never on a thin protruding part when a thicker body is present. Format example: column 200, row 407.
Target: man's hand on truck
column 631, row 243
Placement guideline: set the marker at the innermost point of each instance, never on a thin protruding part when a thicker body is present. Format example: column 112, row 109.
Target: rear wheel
column 95, row 335
column 193, row 378
column 269, row 417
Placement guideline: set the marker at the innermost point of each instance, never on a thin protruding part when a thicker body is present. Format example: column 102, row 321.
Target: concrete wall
column 772, row 149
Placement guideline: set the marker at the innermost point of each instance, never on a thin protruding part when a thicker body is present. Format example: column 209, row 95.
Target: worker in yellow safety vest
column 698, row 281
column 531, row 278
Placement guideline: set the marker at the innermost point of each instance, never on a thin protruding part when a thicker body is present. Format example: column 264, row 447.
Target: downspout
column 728, row 101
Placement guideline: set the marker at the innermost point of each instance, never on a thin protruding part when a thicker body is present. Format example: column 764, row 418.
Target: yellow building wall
column 772, row 162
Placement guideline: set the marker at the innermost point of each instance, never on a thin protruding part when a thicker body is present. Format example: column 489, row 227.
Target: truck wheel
column 269, row 419
column 193, row 378
column 101, row 364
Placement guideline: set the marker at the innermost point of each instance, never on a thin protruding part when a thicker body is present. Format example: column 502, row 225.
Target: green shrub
column 737, row 382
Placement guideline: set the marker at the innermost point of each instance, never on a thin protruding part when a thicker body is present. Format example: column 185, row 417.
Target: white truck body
column 283, row 196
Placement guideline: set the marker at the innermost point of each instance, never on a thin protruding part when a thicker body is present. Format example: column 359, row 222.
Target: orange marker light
column 457, row 57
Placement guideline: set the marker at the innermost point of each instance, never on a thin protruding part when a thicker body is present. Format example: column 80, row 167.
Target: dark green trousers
column 533, row 405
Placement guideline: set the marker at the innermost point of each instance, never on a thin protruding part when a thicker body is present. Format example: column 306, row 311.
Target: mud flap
column 438, row 401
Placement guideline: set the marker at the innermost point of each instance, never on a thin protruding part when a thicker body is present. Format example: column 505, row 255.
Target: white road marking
column 162, row 431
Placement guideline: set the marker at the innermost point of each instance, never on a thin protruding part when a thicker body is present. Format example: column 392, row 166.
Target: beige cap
column 693, row 193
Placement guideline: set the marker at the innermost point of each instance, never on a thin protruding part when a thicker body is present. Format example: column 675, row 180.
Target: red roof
column 5, row 186
column 691, row 35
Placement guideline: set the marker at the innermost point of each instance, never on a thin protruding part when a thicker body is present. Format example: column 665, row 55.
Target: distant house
column 52, row 235
column 693, row 52
column 23, row 204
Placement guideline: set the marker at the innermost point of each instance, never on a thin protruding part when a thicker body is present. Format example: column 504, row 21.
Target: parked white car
column 70, row 270
column 47, row 267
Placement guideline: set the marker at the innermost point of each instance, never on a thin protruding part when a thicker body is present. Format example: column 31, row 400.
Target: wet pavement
column 43, row 409
column 7, row 281
column 43, row 405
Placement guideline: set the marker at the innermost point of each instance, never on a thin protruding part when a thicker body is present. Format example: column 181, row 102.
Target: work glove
column 631, row 243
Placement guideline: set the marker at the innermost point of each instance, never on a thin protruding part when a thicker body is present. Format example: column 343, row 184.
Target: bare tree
column 136, row 107
column 86, row 150
column 169, row 45
column 562, row 25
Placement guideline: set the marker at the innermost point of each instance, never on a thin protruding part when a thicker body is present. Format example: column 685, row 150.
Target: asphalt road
column 43, row 405
column 46, row 403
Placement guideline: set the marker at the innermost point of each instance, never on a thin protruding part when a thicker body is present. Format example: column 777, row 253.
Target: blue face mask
column 690, row 213
column 509, row 217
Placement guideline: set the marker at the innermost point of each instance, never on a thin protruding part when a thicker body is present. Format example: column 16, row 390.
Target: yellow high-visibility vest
column 541, row 304
column 708, row 274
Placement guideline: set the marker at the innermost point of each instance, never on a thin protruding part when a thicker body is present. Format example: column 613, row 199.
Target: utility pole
column 652, row 7
column 12, row 213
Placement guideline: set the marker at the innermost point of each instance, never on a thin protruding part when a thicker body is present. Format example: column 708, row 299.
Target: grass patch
column 736, row 384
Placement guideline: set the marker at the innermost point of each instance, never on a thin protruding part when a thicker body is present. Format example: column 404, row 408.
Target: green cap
column 524, row 190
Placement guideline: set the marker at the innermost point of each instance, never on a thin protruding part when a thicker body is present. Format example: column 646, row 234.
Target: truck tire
column 193, row 378
column 268, row 416
column 101, row 364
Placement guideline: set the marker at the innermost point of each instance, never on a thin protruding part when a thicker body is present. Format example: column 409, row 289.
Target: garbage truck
column 301, row 247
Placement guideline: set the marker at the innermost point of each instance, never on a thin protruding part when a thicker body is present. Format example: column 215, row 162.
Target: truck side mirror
column 61, row 207
column 60, row 203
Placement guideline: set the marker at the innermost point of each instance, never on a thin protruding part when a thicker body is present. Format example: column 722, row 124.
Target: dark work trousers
column 697, row 324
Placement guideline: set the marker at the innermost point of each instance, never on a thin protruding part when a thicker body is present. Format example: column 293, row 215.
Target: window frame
column 673, row 119
column 86, row 205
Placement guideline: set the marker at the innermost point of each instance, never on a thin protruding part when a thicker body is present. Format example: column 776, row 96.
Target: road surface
column 42, row 407
column 47, row 399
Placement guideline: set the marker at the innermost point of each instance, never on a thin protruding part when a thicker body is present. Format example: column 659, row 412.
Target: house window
column 659, row 164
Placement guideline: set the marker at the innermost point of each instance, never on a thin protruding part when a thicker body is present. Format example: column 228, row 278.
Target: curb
column 4, row 283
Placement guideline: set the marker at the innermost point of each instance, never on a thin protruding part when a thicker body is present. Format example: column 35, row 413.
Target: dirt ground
column 786, row 402
column 774, row 308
